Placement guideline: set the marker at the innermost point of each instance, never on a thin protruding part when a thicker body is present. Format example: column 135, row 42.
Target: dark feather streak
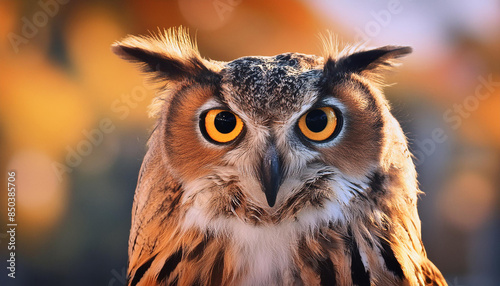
column 359, row 275
column 218, row 269
column 169, row 266
column 376, row 182
column 327, row 272
column 390, row 260
column 141, row 270
column 197, row 252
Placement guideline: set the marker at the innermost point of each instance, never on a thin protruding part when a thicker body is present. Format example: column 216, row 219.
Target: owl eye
column 318, row 124
column 221, row 126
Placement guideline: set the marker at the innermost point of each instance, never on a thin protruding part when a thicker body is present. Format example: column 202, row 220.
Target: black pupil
column 316, row 120
column 225, row 122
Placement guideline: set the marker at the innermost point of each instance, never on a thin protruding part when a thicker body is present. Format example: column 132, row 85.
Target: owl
column 281, row 170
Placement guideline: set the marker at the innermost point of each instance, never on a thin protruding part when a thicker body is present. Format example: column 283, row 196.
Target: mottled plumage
column 275, row 204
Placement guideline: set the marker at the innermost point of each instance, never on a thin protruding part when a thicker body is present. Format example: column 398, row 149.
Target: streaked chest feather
column 271, row 250
column 248, row 176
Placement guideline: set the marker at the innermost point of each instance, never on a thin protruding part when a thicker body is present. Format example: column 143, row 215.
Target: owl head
column 267, row 139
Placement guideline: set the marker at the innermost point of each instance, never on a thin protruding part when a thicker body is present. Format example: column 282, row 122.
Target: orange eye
column 318, row 124
column 222, row 126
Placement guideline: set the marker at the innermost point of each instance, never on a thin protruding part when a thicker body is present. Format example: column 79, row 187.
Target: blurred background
column 73, row 117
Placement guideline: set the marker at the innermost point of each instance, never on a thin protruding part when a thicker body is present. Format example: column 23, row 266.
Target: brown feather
column 346, row 212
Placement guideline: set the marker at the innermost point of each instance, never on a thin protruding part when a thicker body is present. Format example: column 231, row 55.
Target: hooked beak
column 271, row 174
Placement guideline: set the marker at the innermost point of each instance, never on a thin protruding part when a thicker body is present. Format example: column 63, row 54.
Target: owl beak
column 271, row 174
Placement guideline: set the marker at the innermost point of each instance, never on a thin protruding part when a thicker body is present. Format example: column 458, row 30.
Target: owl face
column 283, row 170
column 275, row 134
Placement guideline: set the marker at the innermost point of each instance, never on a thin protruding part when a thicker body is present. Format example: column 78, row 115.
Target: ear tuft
column 168, row 55
column 369, row 63
column 373, row 59
column 330, row 43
